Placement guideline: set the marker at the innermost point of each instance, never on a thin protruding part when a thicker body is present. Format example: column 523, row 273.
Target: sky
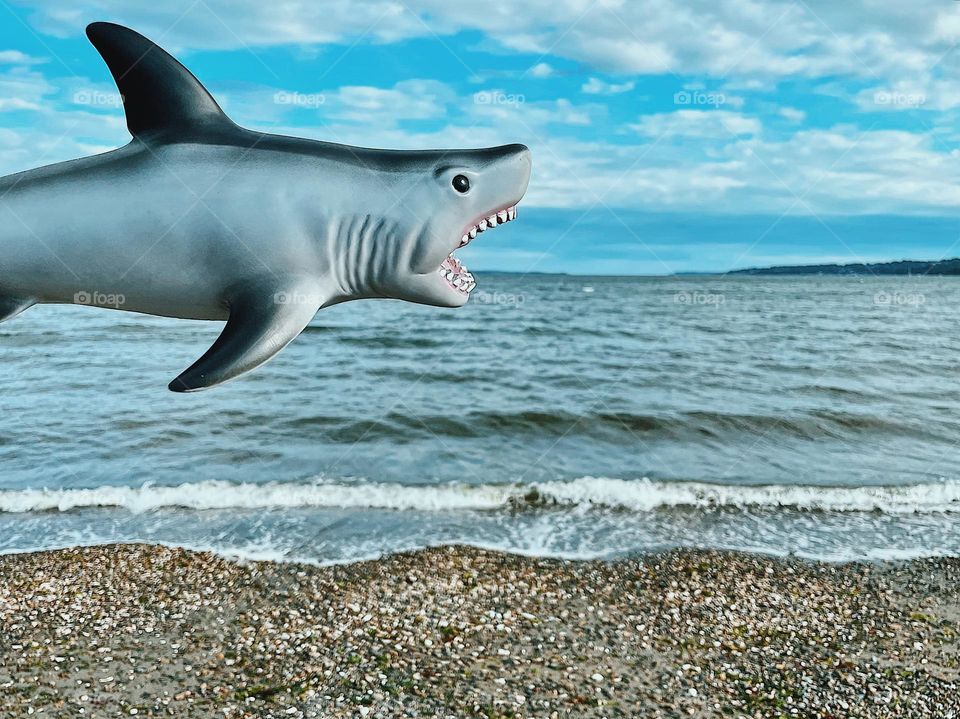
column 666, row 137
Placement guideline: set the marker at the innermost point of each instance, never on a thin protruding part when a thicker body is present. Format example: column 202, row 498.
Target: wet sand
column 459, row 632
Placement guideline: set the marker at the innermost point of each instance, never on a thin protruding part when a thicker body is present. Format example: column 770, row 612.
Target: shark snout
column 520, row 164
column 521, row 157
column 522, row 152
column 511, row 165
column 515, row 153
column 517, row 150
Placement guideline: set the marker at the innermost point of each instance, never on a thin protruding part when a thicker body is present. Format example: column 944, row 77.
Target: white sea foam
column 217, row 494
column 640, row 495
column 646, row 495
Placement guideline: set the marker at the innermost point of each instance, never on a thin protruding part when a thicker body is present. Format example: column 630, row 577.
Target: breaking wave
column 639, row 495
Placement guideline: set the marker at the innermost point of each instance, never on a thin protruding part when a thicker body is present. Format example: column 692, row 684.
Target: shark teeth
column 457, row 276
column 497, row 218
column 455, row 273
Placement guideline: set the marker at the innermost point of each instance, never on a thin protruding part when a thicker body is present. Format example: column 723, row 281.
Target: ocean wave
column 639, row 495
column 818, row 424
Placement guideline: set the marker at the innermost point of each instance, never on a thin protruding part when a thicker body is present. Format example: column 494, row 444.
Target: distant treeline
column 903, row 267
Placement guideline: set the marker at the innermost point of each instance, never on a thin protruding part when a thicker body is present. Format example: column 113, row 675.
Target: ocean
column 565, row 416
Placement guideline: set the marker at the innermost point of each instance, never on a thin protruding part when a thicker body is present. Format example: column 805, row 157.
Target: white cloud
column 514, row 113
column 541, row 69
column 16, row 103
column 792, row 114
column 595, row 86
column 918, row 93
column 720, row 124
column 838, row 171
column 55, row 137
column 568, row 114
column 375, row 107
column 15, row 57
column 407, row 100
column 740, row 38
column 23, row 89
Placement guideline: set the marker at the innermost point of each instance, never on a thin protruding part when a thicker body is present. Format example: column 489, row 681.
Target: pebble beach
column 460, row 632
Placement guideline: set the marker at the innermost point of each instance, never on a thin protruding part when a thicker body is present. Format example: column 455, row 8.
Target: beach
column 461, row 632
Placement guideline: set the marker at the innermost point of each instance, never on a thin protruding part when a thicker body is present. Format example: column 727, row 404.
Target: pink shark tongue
column 456, row 275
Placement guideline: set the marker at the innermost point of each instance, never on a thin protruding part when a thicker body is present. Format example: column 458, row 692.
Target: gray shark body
column 198, row 218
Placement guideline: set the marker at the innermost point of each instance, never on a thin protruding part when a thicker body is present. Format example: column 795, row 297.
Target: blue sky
column 666, row 136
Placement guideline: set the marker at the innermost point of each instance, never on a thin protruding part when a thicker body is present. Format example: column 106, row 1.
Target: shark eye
column 461, row 183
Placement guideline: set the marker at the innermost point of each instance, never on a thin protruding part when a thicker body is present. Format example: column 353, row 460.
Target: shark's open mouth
column 455, row 273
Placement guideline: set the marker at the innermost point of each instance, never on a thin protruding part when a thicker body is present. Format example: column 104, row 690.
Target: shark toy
column 198, row 218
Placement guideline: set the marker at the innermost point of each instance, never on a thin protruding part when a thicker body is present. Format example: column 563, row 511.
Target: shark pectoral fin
column 12, row 306
column 261, row 324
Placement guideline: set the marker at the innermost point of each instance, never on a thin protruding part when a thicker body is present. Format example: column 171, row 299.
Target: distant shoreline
column 900, row 267
column 454, row 631
column 936, row 268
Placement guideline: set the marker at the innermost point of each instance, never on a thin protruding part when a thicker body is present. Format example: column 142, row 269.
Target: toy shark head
column 436, row 203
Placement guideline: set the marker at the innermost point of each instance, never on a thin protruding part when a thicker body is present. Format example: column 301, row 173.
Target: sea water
column 553, row 415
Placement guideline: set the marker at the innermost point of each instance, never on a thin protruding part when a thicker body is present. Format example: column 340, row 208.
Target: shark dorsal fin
column 163, row 101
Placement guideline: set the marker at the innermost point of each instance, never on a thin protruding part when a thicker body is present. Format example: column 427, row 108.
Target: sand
column 459, row 632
